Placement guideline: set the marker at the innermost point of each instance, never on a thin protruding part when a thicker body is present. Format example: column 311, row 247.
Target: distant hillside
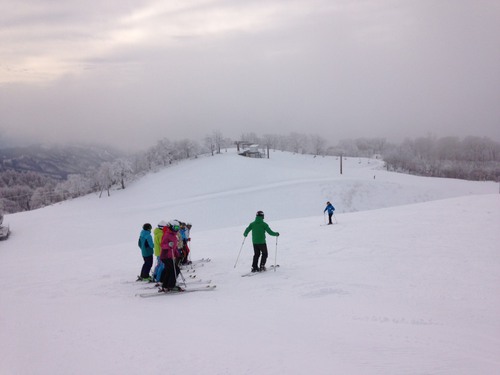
column 56, row 162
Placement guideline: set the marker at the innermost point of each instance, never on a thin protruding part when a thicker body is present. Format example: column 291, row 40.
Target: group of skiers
column 169, row 244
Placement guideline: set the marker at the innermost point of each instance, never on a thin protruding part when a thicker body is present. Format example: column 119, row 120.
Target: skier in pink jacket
column 169, row 255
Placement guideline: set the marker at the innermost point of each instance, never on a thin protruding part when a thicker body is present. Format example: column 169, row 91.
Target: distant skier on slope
column 329, row 207
column 259, row 228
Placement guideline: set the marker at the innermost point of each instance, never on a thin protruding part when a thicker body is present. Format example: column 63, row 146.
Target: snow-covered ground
column 407, row 282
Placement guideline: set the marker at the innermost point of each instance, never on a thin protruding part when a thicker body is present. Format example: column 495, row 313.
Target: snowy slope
column 407, row 282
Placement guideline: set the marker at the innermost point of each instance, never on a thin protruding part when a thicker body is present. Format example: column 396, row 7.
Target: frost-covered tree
column 227, row 142
column 476, row 149
column 210, row 143
column 121, row 169
column 187, row 148
column 44, row 196
column 297, row 143
column 270, row 141
column 318, row 145
column 16, row 198
column 282, row 143
column 218, row 140
column 105, row 177
column 8, row 205
column 139, row 163
column 75, row 185
column 161, row 153
column 473, row 158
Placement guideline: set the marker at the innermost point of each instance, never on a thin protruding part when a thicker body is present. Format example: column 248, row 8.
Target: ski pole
column 336, row 222
column 276, row 254
column 175, row 268
column 182, row 277
column 244, row 238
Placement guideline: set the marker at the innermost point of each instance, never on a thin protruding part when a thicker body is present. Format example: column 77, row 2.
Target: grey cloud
column 337, row 68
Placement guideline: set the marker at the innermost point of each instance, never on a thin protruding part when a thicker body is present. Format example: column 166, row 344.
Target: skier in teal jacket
column 147, row 249
column 259, row 228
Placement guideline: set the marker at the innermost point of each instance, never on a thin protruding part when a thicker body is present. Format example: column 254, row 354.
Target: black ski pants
column 169, row 274
column 146, row 267
column 257, row 250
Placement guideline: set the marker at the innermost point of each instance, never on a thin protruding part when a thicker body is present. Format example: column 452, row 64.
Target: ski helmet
column 147, row 226
column 174, row 225
column 260, row 213
column 162, row 224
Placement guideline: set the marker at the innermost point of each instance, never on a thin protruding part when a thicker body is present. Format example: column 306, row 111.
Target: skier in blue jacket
column 147, row 249
column 329, row 207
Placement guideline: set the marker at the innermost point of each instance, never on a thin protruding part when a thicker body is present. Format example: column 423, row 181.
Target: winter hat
column 162, row 224
column 147, row 226
column 260, row 213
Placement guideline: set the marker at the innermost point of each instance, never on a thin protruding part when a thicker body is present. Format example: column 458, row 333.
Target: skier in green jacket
column 259, row 228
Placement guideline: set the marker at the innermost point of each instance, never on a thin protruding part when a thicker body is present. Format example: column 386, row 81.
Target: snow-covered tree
column 161, row 153
column 121, row 169
column 105, row 177
column 210, row 143
column 318, row 145
column 218, row 140
column 16, row 198
column 251, row 138
column 298, row 143
column 43, row 196
column 187, row 148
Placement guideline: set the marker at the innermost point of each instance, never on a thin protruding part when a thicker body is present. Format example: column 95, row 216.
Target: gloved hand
column 277, row 234
column 171, row 244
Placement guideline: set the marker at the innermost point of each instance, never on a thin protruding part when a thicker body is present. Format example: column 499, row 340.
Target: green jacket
column 259, row 228
column 158, row 234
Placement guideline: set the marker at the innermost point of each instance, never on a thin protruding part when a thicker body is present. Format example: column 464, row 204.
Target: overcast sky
column 128, row 73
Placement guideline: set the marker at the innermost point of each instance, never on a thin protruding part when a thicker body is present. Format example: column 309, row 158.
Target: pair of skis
column 197, row 262
column 272, row 267
column 192, row 286
column 205, row 288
